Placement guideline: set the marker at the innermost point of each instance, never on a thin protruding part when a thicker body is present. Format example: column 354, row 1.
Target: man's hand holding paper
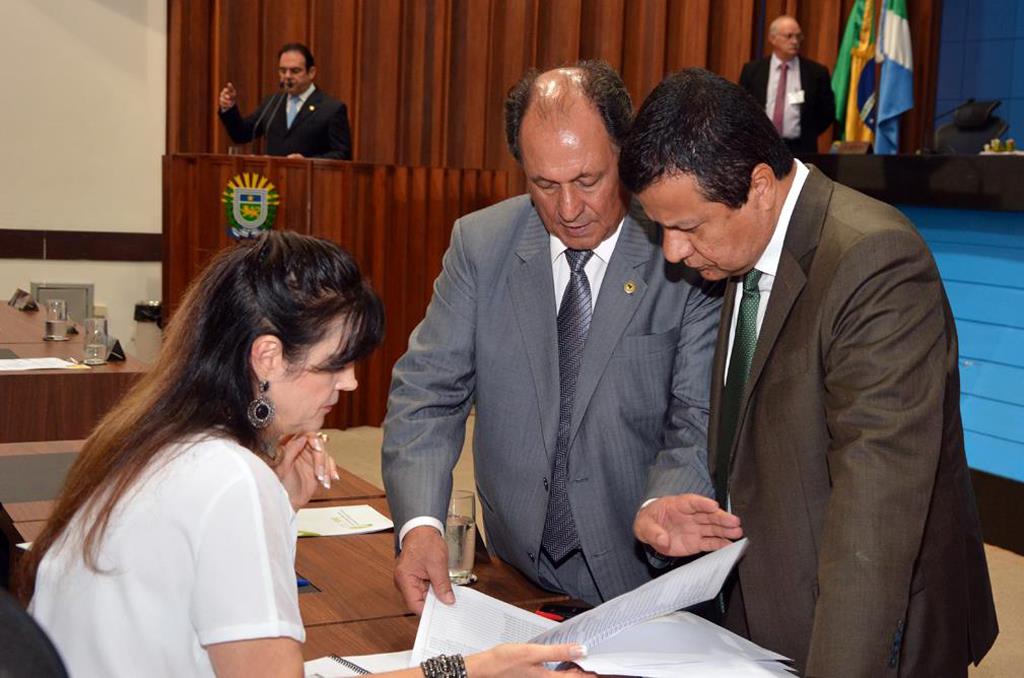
column 423, row 562
column 685, row 524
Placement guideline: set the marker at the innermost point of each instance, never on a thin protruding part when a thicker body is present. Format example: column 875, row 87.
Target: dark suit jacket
column 848, row 470
column 320, row 130
column 819, row 107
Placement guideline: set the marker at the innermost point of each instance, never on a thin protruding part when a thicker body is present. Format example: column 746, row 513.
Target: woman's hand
column 514, row 661
column 303, row 465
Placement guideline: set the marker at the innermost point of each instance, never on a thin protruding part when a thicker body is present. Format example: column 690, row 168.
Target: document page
column 683, row 635
column 339, row 520
column 684, row 586
column 474, row 623
column 25, row 364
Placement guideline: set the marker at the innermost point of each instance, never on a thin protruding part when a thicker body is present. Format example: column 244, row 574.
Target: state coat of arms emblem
column 250, row 204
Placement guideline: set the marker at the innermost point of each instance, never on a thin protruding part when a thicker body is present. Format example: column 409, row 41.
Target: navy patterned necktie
column 560, row 537
column 743, row 344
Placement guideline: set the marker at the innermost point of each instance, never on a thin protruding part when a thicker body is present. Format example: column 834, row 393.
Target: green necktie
column 743, row 344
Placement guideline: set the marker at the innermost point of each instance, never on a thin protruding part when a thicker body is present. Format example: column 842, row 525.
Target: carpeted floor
column 358, row 450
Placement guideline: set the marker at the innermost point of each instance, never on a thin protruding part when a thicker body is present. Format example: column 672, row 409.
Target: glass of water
column 95, row 341
column 460, row 535
column 56, row 328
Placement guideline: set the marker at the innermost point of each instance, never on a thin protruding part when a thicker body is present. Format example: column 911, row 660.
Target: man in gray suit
column 835, row 430
column 586, row 355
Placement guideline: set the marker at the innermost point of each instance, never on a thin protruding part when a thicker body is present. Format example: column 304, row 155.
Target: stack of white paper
column 25, row 364
column 662, row 647
column 338, row 520
column 473, row 623
column 637, row 634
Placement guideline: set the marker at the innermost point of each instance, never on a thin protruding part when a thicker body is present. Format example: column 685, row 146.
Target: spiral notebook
column 336, row 666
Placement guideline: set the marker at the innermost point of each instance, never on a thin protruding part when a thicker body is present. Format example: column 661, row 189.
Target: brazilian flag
column 853, row 81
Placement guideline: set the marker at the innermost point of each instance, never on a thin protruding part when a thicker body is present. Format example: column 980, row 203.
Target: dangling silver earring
column 261, row 410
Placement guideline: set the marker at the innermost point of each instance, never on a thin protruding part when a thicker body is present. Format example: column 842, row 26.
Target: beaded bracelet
column 444, row 666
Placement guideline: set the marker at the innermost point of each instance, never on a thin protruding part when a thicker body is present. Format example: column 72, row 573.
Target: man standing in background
column 299, row 121
column 796, row 93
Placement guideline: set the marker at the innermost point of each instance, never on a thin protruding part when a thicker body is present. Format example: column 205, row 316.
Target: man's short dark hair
column 601, row 85
column 700, row 124
column 301, row 49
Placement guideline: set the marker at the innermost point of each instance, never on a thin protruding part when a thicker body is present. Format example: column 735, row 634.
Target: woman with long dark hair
column 171, row 549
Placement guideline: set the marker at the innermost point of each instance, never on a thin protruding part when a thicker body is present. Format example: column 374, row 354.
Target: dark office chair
column 973, row 126
column 26, row 652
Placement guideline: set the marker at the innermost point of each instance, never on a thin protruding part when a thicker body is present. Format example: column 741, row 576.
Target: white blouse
column 202, row 551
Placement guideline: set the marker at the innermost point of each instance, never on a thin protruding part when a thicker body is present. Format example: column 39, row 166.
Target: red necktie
column 780, row 98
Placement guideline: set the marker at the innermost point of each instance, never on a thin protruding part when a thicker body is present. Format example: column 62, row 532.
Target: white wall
column 83, row 107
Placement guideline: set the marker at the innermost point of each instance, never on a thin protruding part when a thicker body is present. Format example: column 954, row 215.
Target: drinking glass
column 95, row 341
column 460, row 535
column 56, row 328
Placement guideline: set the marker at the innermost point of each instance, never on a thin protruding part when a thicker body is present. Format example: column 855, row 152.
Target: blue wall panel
column 994, row 455
column 991, row 343
column 986, row 303
column 980, row 256
column 994, row 381
column 981, row 55
column 987, row 19
column 985, row 264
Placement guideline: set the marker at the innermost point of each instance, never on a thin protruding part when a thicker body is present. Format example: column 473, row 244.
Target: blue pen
column 301, row 581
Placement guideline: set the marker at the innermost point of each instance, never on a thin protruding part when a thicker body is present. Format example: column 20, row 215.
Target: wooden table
column 54, row 404
column 19, row 327
column 372, row 636
column 354, row 607
column 354, row 576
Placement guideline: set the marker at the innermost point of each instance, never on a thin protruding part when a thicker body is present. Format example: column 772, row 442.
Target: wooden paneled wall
column 425, row 79
column 396, row 222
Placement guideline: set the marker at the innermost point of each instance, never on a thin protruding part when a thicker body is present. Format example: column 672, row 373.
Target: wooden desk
column 390, row 634
column 356, row 610
column 354, row 575
column 20, row 327
column 350, row 486
column 31, row 474
column 59, row 404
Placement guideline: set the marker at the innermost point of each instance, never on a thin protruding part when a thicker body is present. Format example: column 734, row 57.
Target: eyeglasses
column 799, row 37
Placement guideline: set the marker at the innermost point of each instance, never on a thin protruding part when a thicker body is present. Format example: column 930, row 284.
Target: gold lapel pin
column 629, row 287
column 312, row 107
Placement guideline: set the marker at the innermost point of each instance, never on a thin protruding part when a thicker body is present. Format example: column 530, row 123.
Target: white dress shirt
column 791, row 112
column 594, row 268
column 768, row 263
column 200, row 551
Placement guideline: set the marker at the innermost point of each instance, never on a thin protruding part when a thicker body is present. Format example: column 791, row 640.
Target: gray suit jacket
column 489, row 338
column 848, row 469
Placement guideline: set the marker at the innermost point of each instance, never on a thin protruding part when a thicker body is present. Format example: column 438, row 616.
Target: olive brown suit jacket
column 848, row 465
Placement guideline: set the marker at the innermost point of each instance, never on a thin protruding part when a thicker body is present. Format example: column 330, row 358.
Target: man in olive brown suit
column 835, row 432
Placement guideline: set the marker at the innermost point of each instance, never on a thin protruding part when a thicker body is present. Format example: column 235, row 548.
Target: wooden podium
column 396, row 222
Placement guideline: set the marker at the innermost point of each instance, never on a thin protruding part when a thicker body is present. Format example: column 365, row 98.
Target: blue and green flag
column 853, row 81
column 896, row 86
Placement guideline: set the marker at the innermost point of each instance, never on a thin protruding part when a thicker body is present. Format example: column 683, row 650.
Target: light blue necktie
column 293, row 109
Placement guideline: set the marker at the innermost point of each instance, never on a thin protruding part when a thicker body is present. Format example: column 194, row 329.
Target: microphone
column 280, row 95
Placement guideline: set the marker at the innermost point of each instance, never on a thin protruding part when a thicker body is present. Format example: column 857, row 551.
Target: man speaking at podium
column 299, row 120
